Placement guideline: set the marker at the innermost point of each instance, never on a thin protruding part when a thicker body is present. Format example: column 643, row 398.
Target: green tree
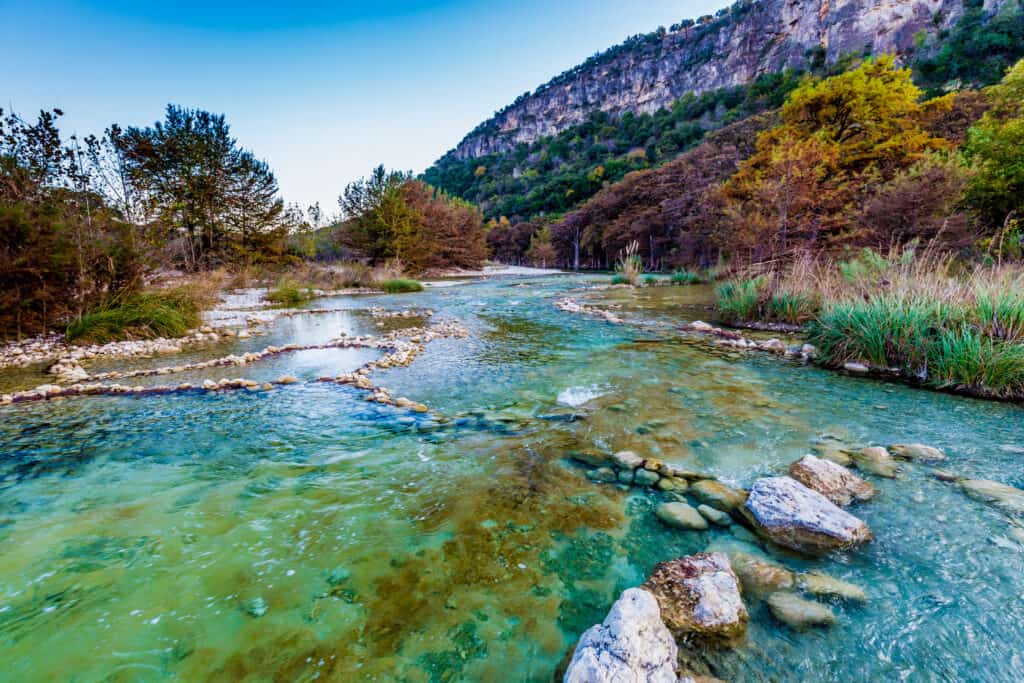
column 995, row 148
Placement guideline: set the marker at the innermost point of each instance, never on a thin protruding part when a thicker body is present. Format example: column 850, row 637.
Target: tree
column 838, row 138
column 995, row 148
column 541, row 250
column 197, row 180
column 388, row 215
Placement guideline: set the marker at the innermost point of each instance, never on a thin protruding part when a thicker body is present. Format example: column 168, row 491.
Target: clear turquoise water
column 139, row 536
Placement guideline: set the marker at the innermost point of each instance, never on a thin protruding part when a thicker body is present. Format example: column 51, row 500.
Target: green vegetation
column 555, row 174
column 740, row 300
column 685, row 277
column 630, row 266
column 389, row 216
column 161, row 313
column 288, row 293
column 934, row 320
column 976, row 51
column 400, row 286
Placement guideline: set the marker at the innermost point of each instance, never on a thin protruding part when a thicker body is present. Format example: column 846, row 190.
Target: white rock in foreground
column 792, row 515
column 632, row 645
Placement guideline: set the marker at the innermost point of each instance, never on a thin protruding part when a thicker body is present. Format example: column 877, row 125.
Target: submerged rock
column 1006, row 498
column 632, row 645
column 916, row 451
column 792, row 515
column 699, row 596
column 799, row 613
column 823, row 585
column 596, row 459
column 875, row 460
column 602, row 474
column 627, row 460
column 760, row 576
column 835, row 482
column 645, row 478
column 718, row 495
column 681, row 516
column 256, row 607
column 714, row 515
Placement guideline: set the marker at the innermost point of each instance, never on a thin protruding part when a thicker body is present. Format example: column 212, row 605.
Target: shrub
column 400, row 286
column 289, row 293
column 739, row 300
column 162, row 313
column 650, row 280
column 619, row 279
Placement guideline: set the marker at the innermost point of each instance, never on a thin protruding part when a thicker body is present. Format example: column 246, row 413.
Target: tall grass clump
column 685, row 277
column 146, row 315
column 399, row 286
column 287, row 292
column 740, row 300
column 630, row 265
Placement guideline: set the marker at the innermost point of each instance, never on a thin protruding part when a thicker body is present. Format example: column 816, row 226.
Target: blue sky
column 323, row 91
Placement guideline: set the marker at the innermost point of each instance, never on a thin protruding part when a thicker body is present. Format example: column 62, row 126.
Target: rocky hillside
column 750, row 38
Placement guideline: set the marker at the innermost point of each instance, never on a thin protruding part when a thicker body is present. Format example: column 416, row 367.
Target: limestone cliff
column 750, row 38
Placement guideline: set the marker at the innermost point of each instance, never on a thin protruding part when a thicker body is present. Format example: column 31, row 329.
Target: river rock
column 792, row 515
column 834, row 452
column 760, row 576
column 699, row 596
column 596, row 459
column 856, row 368
column 875, row 460
column 645, row 478
column 916, row 451
column 1006, row 498
column 287, row 379
column 823, row 585
column 714, row 515
column 602, row 474
column 672, row 484
column 627, row 460
column 835, row 482
column 632, row 645
column 799, row 613
column 718, row 495
column 681, row 516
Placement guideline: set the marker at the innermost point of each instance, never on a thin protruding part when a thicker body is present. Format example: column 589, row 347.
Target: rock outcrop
column 835, row 482
column 700, row 599
column 632, row 645
column 788, row 513
column 649, row 72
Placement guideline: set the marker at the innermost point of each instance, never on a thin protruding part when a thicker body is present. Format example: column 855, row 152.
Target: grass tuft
column 399, row 286
column 161, row 313
column 739, row 300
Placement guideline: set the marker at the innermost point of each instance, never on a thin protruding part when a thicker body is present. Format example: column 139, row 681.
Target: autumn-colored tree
column 391, row 216
column 838, row 138
column 541, row 252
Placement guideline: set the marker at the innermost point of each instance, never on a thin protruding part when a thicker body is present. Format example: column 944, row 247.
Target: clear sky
column 324, row 91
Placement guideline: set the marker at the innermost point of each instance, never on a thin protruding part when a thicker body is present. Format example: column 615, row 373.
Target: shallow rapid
column 304, row 533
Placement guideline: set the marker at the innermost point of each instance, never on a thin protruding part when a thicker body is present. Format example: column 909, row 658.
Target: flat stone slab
column 632, row 645
column 793, row 516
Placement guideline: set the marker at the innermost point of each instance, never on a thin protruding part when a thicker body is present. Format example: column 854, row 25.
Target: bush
column 400, row 286
column 739, row 300
column 650, row 280
column 166, row 313
column 289, row 293
column 619, row 279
